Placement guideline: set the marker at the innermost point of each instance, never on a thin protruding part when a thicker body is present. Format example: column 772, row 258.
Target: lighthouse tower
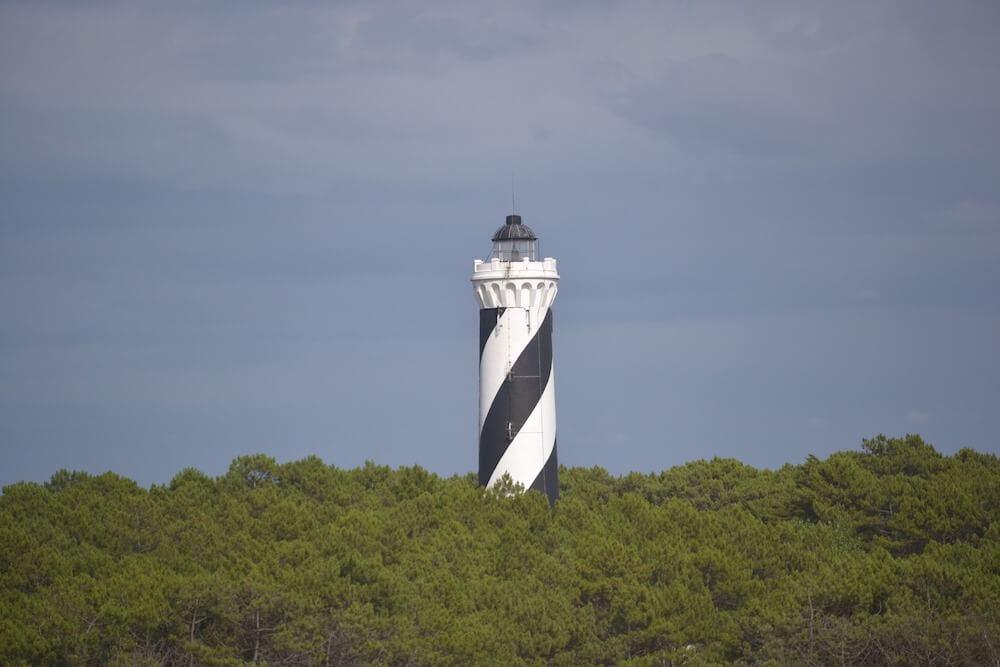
column 517, row 399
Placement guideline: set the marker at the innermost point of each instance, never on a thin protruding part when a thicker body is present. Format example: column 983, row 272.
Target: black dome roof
column 513, row 230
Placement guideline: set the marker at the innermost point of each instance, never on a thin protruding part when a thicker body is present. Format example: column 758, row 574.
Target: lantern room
column 514, row 242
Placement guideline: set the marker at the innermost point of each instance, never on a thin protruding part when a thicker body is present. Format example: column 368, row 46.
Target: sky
column 238, row 227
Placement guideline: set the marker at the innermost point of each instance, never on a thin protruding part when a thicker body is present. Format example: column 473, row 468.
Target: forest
column 887, row 554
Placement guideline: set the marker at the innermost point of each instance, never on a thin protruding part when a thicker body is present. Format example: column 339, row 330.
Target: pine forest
column 885, row 555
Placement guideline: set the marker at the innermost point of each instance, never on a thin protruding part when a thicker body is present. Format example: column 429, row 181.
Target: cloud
column 764, row 213
column 832, row 84
column 289, row 99
column 974, row 214
column 717, row 103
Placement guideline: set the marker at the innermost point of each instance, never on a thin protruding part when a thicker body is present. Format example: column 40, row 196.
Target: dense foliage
column 888, row 555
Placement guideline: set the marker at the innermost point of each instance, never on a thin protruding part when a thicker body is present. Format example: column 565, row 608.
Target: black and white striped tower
column 517, row 399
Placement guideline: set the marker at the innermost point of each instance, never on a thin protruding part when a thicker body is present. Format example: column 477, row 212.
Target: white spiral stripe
column 527, row 454
column 506, row 343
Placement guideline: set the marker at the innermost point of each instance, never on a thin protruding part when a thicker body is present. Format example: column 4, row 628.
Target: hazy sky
column 238, row 227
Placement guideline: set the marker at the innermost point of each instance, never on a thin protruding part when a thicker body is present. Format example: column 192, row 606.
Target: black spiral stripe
column 488, row 318
column 548, row 479
column 516, row 399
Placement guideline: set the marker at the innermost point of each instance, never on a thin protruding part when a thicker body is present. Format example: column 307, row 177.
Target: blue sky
column 234, row 227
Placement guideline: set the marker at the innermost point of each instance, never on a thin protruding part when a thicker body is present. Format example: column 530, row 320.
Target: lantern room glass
column 515, row 250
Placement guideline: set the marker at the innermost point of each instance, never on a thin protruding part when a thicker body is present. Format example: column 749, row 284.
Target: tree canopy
column 885, row 555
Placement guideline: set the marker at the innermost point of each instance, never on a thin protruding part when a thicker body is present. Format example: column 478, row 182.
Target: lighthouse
column 517, row 398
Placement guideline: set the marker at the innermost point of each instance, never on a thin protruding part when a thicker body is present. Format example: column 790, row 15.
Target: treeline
column 887, row 555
